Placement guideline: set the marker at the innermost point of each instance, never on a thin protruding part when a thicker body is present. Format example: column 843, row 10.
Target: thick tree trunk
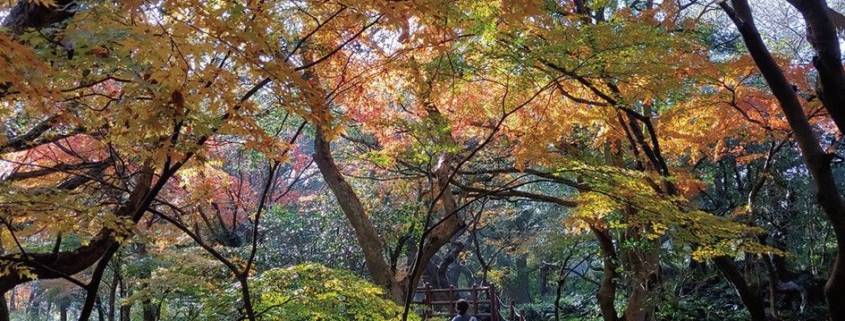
column 435, row 237
column 149, row 310
column 93, row 287
column 125, row 309
column 439, row 235
column 33, row 307
column 834, row 289
column 817, row 161
column 101, row 313
column 365, row 232
column 519, row 288
column 125, row 312
column 543, row 287
column 747, row 294
column 443, row 268
column 821, row 34
column 643, row 266
column 607, row 288
column 4, row 309
column 446, row 226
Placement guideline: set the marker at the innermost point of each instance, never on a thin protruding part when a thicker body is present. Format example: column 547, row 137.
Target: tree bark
column 544, row 280
column 607, row 288
column 643, row 265
column 4, row 309
column 443, row 268
column 747, row 294
column 519, row 286
column 34, row 303
column 101, row 314
column 355, row 213
column 113, row 290
column 821, row 34
column 365, row 232
column 93, row 287
column 150, row 310
column 817, row 161
column 125, row 310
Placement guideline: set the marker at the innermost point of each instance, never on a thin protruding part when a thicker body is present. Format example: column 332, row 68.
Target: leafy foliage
column 314, row 292
column 591, row 159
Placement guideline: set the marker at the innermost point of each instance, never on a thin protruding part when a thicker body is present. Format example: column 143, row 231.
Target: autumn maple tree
column 369, row 160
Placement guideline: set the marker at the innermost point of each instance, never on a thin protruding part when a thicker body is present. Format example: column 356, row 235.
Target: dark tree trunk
column 113, row 291
column 834, row 289
column 607, row 287
column 817, row 161
column 821, row 34
column 51, row 265
column 519, row 288
column 92, row 290
column 558, row 296
column 448, row 260
column 642, row 282
column 4, row 309
column 643, row 267
column 125, row 312
column 544, row 280
column 747, row 294
column 125, row 309
column 150, row 310
column 365, row 232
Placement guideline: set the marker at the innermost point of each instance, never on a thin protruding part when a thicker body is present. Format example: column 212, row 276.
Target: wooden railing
column 440, row 303
column 483, row 301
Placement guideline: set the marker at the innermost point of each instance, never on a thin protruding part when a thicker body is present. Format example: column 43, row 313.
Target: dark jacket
column 464, row 318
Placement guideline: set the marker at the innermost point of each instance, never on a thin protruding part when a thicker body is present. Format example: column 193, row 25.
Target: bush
column 314, row 292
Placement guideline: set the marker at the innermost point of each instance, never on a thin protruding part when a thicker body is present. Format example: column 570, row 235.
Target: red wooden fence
column 483, row 301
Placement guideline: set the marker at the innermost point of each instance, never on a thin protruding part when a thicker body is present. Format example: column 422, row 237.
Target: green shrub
column 312, row 292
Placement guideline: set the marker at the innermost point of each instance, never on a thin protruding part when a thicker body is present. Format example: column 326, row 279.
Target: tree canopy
column 359, row 160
